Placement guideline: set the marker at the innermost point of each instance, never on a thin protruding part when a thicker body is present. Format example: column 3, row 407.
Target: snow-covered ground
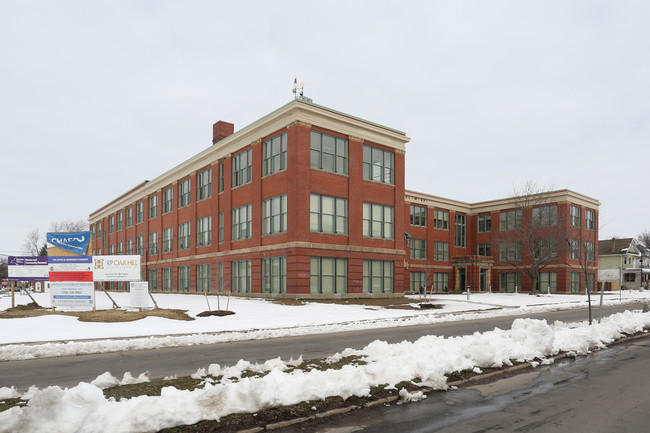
column 84, row 408
column 254, row 319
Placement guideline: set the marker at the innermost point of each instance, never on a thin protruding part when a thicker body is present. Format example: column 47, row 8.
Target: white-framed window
column 168, row 199
column 418, row 216
column 111, row 224
column 183, row 278
column 167, row 237
column 575, row 216
column 418, row 249
column 139, row 211
column 184, row 188
column 183, row 236
column 120, row 220
column 242, row 168
column 129, row 216
column 204, row 184
column 590, row 219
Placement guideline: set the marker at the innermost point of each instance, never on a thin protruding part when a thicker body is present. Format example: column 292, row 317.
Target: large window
column 441, row 219
column 440, row 250
column 545, row 216
column 418, row 249
column 590, row 253
column 418, row 216
column 590, row 219
column 328, row 275
column 484, row 249
column 120, row 220
column 547, row 281
column 275, row 155
column 461, row 230
column 184, row 187
column 204, row 184
column 575, row 216
column 153, row 243
column 484, row 223
column 545, row 249
column 183, row 236
column 183, row 278
column 241, row 222
column 139, row 245
column 274, row 215
column 510, row 251
column 167, row 236
column 153, row 280
column 242, row 168
column 377, row 276
column 129, row 216
column 153, row 206
column 167, row 279
column 440, row 281
column 222, row 176
column 328, row 214
column 510, row 219
column 274, row 275
column 203, row 277
column 574, row 249
column 119, row 249
column 99, row 229
column 509, row 282
column 129, row 247
column 575, row 282
column 111, row 224
column 221, row 225
column 204, row 231
column 378, row 164
column 377, row 221
column 417, row 281
column 241, row 276
column 139, row 212
column 329, row 153
column 168, row 199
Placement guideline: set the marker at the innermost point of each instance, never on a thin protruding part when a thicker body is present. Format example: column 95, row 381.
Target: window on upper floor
column 275, row 155
column 484, row 223
column 441, row 219
column 418, row 216
column 377, row 221
column 184, row 236
column 328, row 214
column 204, row 184
column 575, row 216
column 153, row 206
column 274, row 215
column 242, row 168
column 590, row 219
column 545, row 216
column 329, row 153
column 378, row 164
column 184, row 192
column 241, row 222
column 461, row 230
column 418, row 249
column 510, row 219
column 168, row 198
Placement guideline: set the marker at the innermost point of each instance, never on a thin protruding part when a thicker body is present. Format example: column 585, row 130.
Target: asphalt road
column 69, row 371
column 604, row 392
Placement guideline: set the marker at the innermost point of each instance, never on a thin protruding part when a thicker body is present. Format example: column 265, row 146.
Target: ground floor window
column 377, row 276
column 167, row 279
column 418, row 281
column 575, row 282
column 274, row 275
column 241, row 276
column 440, row 281
column 203, row 279
column 590, row 282
column 509, row 282
column 220, row 276
column 328, row 275
column 547, row 281
column 153, row 280
column 183, row 278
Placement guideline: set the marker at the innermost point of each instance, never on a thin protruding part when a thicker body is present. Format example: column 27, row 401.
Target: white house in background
column 620, row 266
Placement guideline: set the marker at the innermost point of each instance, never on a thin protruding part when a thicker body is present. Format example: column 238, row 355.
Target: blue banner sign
column 76, row 243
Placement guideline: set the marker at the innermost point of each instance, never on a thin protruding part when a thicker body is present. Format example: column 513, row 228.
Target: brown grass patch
column 96, row 316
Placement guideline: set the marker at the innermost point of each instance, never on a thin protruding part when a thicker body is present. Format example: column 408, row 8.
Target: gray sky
column 96, row 96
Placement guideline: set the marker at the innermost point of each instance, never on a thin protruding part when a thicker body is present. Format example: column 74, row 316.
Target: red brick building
column 304, row 201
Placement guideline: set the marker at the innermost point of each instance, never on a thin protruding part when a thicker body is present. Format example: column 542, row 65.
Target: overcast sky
column 97, row 96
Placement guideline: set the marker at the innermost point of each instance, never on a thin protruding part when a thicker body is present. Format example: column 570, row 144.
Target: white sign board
column 140, row 294
column 116, row 268
column 76, row 294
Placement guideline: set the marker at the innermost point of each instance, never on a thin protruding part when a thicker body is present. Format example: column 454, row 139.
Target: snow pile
column 6, row 392
column 84, row 408
column 107, row 380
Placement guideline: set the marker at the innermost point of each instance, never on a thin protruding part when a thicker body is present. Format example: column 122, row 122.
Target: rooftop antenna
column 299, row 91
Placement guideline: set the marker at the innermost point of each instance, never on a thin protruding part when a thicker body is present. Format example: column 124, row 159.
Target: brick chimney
column 221, row 130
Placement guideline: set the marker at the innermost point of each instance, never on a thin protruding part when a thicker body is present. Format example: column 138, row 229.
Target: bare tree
column 69, row 226
column 582, row 246
column 4, row 268
column 533, row 234
column 642, row 243
column 33, row 243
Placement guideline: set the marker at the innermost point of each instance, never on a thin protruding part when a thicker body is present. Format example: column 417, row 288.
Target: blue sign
column 76, row 243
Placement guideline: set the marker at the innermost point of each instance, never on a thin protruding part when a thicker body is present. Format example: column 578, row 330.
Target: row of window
column 327, row 275
column 508, row 220
column 544, row 249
